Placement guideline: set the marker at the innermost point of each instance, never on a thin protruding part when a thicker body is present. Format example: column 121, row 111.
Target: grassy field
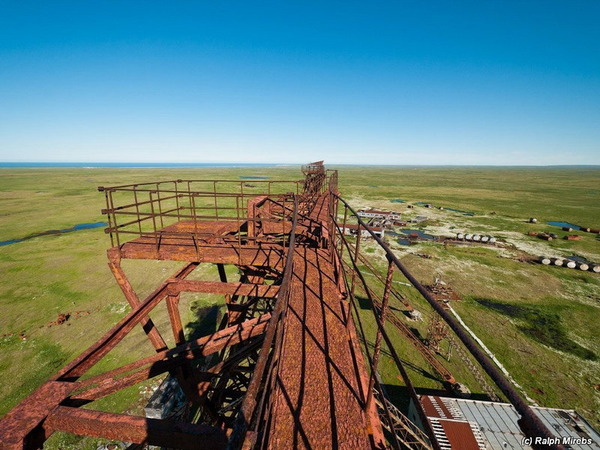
column 541, row 322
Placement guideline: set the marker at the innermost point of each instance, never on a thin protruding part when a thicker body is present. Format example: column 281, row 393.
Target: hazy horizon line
column 140, row 164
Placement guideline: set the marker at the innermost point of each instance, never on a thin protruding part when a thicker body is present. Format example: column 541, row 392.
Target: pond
column 564, row 224
column 460, row 211
column 254, row 178
column 419, row 233
column 406, row 240
column 79, row 226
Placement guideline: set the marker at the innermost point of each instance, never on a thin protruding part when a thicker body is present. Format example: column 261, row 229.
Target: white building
column 352, row 230
column 376, row 214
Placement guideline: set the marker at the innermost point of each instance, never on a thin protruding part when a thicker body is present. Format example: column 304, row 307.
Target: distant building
column 418, row 219
column 352, row 230
column 376, row 214
column 477, row 425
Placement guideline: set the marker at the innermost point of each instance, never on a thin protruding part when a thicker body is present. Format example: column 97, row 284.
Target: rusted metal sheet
column 190, row 251
column 459, row 434
column 22, row 427
column 215, row 287
column 317, row 398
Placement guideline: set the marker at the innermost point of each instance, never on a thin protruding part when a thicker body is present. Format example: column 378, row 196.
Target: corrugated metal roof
column 428, row 406
column 455, row 434
column 567, row 423
column 497, row 422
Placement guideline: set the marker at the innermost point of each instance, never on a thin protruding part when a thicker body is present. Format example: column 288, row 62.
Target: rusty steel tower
column 290, row 365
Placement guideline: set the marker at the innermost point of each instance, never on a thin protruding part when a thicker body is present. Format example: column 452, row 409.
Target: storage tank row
column 476, row 238
column 562, row 262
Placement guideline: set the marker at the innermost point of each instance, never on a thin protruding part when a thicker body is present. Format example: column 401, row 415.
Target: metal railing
column 255, row 410
column 531, row 424
column 153, row 210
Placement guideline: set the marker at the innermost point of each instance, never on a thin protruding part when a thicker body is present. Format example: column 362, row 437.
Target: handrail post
column 382, row 317
column 356, row 250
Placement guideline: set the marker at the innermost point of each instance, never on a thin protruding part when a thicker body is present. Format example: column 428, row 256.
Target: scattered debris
column 22, row 335
column 442, row 292
column 572, row 237
column 543, row 235
column 423, row 255
column 415, row 315
column 64, row 317
column 461, row 390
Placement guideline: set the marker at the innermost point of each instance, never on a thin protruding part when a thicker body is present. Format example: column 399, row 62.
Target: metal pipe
column 534, row 427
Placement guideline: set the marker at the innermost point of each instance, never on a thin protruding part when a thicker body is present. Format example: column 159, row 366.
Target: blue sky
column 399, row 82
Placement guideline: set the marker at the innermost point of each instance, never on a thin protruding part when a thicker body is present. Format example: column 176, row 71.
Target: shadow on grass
column 364, row 302
column 400, row 397
column 541, row 325
column 205, row 323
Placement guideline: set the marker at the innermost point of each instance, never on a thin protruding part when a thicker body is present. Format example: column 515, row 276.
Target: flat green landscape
column 540, row 321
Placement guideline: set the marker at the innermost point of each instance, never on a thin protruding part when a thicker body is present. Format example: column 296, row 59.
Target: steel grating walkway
column 317, row 395
column 319, row 390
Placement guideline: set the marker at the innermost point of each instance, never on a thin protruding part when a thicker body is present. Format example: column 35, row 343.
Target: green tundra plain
column 540, row 321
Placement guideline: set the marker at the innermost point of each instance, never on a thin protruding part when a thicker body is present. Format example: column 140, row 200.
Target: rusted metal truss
column 288, row 365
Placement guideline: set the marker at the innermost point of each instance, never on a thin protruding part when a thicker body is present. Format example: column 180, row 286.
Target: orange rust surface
column 273, row 227
column 204, row 241
column 28, row 414
column 185, row 250
column 216, row 227
column 317, row 397
column 459, row 434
